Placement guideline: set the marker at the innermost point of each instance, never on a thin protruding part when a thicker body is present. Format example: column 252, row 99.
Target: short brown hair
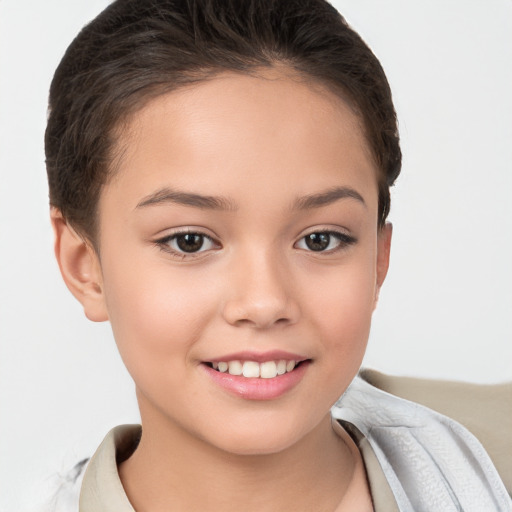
column 136, row 49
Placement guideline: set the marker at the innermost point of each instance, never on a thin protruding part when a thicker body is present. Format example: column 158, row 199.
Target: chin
column 262, row 437
column 250, row 446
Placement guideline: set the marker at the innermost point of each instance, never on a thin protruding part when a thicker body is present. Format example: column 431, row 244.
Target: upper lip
column 259, row 357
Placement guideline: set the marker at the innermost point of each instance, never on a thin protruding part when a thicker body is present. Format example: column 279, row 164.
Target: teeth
column 281, row 367
column 268, row 370
column 252, row 369
column 235, row 368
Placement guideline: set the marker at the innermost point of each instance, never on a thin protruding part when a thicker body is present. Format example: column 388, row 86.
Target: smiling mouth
column 253, row 369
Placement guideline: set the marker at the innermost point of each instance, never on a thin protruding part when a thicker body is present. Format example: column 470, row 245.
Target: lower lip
column 258, row 388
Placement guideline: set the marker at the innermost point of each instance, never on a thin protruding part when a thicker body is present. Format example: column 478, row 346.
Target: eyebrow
column 168, row 195
column 327, row 197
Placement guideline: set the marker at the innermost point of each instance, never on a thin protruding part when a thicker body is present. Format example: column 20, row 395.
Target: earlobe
column 80, row 268
column 383, row 253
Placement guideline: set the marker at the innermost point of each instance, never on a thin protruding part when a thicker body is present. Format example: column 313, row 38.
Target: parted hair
column 137, row 49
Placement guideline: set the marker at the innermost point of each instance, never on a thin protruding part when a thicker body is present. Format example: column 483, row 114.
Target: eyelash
column 344, row 240
column 164, row 243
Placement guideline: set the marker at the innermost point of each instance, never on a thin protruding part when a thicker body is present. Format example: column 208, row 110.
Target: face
column 239, row 238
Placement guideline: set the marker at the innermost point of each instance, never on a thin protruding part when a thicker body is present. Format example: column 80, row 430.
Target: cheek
column 342, row 321
column 156, row 314
column 342, row 307
column 350, row 309
column 345, row 296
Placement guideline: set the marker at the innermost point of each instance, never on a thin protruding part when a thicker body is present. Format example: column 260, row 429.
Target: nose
column 260, row 293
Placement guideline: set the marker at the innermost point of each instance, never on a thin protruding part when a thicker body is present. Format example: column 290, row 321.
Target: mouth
column 254, row 369
column 257, row 376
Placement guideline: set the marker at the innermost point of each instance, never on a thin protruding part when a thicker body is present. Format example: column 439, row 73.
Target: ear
column 80, row 268
column 383, row 252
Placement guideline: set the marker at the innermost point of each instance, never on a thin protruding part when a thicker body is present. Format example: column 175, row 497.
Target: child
column 219, row 179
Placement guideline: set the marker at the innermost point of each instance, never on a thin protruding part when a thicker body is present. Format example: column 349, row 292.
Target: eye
column 187, row 243
column 325, row 241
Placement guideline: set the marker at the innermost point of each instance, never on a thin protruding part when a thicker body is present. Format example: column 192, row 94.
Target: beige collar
column 102, row 488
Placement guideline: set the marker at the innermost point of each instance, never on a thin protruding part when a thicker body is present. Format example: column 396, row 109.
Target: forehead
column 243, row 132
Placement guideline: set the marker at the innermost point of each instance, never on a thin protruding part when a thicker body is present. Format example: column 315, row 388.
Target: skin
column 260, row 143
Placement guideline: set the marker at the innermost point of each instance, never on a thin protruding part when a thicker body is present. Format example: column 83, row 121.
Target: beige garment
column 485, row 410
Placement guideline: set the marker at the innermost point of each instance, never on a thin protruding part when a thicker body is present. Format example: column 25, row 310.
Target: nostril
column 253, row 308
column 261, row 322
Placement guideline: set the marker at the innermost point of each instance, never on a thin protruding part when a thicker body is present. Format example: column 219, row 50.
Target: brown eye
column 325, row 241
column 189, row 242
column 318, row 241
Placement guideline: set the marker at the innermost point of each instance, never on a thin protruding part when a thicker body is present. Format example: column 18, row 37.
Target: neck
column 172, row 470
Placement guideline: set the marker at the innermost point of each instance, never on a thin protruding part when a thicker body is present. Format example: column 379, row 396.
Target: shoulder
column 485, row 410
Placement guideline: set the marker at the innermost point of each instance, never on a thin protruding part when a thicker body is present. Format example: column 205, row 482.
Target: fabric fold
column 431, row 462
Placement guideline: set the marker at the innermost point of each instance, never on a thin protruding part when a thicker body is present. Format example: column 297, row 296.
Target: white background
column 445, row 311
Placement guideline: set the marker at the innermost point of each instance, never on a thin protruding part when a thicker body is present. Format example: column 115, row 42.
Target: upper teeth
column 266, row 370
